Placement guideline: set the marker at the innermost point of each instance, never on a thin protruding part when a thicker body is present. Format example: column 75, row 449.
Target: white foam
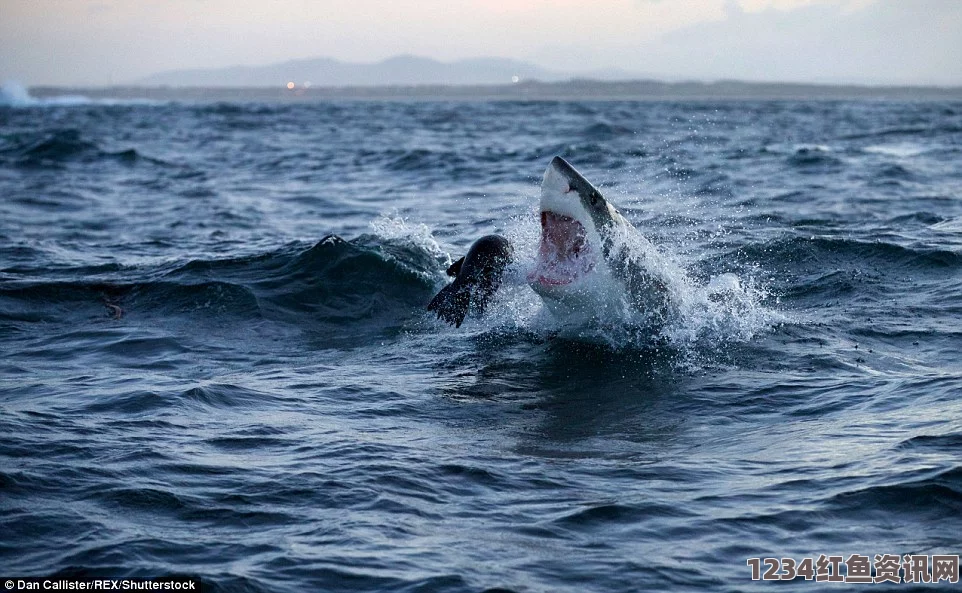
column 900, row 150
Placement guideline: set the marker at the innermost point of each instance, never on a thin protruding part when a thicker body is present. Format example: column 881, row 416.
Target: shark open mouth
column 564, row 254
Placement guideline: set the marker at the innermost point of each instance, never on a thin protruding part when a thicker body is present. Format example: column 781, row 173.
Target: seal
column 477, row 278
column 589, row 259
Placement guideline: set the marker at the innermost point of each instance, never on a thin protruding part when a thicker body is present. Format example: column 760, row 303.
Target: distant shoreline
column 590, row 90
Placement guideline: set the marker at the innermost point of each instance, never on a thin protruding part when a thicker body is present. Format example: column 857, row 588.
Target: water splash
column 704, row 315
column 394, row 232
column 723, row 311
column 14, row 94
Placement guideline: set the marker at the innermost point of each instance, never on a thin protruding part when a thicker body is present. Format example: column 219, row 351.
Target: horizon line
column 292, row 86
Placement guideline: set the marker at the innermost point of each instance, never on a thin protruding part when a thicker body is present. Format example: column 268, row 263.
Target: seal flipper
column 478, row 278
column 451, row 304
column 455, row 268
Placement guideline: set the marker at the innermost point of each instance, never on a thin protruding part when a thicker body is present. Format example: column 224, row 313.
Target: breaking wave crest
column 14, row 94
column 341, row 289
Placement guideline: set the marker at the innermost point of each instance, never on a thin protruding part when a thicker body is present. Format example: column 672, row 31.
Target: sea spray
column 704, row 315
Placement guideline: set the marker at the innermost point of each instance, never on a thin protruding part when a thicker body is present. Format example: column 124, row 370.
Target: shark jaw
column 568, row 250
column 564, row 254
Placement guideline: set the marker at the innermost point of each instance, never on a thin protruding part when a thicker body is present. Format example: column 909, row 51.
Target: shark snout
column 555, row 180
column 567, row 178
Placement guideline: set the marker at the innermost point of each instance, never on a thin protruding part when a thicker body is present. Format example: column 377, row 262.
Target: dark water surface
column 193, row 381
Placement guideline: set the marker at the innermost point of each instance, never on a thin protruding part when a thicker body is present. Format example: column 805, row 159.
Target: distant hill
column 397, row 71
column 576, row 89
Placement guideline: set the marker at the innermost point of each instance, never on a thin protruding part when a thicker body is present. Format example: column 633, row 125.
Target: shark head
column 575, row 219
column 592, row 265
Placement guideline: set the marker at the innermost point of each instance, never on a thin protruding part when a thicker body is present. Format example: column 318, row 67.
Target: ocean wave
column 602, row 131
column 814, row 157
column 904, row 131
column 923, row 218
column 942, row 443
column 230, row 108
column 370, row 281
column 824, row 253
column 61, row 300
column 43, row 148
column 933, row 495
column 338, row 281
column 55, row 148
column 421, row 159
column 894, row 172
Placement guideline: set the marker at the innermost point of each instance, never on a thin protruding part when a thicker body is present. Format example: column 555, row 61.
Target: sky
column 103, row 42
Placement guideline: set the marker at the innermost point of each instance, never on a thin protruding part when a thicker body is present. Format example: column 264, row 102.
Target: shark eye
column 594, row 199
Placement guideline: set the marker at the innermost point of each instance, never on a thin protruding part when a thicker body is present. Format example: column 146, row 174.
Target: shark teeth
column 565, row 254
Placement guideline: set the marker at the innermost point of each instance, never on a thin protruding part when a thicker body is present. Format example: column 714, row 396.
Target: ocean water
column 216, row 358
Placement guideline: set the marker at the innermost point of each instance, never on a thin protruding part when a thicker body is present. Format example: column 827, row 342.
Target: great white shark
column 590, row 260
